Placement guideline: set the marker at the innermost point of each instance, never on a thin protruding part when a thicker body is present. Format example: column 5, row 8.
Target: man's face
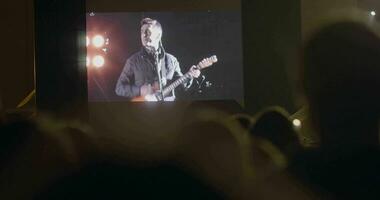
column 150, row 36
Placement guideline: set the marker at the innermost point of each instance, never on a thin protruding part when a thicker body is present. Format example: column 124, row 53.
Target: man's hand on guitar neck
column 194, row 72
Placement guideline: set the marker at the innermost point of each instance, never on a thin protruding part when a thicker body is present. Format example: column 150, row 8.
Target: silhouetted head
column 341, row 78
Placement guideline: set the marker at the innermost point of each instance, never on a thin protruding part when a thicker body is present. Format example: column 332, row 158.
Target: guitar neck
column 176, row 83
column 207, row 62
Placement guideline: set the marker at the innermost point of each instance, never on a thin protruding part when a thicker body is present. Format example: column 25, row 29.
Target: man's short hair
column 151, row 22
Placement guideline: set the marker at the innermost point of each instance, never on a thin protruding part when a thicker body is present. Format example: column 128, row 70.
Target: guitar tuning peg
column 214, row 58
column 208, row 84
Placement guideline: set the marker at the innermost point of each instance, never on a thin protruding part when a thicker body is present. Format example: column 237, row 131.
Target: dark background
column 189, row 36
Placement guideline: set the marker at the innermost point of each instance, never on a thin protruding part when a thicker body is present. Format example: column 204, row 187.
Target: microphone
column 157, row 61
column 156, row 54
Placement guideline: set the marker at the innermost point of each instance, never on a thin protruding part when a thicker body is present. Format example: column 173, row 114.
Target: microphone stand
column 161, row 94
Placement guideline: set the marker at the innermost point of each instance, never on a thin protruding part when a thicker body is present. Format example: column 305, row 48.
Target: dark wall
column 16, row 69
column 162, row 5
column 60, row 56
column 272, row 37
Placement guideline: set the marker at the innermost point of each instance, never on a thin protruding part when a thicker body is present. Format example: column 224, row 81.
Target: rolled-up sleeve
column 125, row 85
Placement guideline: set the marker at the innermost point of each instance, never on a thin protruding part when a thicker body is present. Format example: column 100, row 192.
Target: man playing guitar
column 148, row 71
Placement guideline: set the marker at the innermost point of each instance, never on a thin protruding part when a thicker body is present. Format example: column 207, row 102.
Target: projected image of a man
column 147, row 72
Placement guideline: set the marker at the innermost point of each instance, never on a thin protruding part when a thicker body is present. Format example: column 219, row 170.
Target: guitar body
column 138, row 99
column 151, row 98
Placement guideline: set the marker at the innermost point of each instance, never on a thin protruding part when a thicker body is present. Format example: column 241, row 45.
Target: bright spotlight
column 297, row 123
column 87, row 41
column 87, row 61
column 98, row 41
column 373, row 13
column 98, row 61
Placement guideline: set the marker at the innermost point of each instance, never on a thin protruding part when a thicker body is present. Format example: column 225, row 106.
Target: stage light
column 98, row 61
column 98, row 41
column 87, row 61
column 297, row 123
column 373, row 13
column 87, row 41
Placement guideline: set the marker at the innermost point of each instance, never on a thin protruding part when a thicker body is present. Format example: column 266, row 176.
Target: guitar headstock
column 207, row 62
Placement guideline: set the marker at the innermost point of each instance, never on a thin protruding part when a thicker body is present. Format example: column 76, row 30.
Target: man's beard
column 152, row 50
